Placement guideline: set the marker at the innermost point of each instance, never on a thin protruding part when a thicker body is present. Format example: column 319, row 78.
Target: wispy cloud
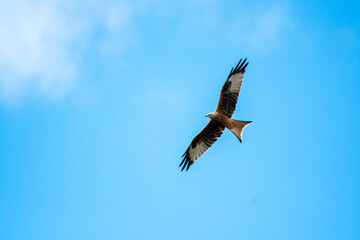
column 256, row 27
column 261, row 29
column 42, row 43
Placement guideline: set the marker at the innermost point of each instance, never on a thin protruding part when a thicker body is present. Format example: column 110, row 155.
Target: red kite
column 220, row 119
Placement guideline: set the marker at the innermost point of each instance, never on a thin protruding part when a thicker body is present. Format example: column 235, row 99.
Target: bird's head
column 210, row 115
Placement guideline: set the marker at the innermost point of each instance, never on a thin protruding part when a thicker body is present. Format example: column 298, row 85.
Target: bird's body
column 226, row 122
column 220, row 119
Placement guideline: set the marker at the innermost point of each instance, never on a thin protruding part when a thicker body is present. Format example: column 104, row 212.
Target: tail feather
column 238, row 128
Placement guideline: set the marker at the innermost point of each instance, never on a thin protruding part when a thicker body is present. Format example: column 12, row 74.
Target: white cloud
column 42, row 42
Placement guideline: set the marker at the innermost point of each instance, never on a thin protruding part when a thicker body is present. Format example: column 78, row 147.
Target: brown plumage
column 220, row 119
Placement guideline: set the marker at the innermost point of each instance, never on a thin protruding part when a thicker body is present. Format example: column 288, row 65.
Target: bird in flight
column 220, row 119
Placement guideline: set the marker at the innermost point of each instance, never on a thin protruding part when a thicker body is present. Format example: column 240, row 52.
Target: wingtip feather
column 243, row 69
column 240, row 67
column 238, row 63
column 185, row 163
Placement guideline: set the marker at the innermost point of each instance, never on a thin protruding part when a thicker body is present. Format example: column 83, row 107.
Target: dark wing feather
column 231, row 89
column 201, row 143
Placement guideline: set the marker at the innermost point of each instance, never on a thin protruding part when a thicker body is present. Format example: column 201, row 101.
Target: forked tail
column 238, row 128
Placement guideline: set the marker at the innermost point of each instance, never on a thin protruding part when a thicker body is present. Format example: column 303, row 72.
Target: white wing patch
column 235, row 82
column 196, row 152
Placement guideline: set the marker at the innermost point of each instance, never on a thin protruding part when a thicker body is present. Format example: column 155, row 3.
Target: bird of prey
column 220, row 119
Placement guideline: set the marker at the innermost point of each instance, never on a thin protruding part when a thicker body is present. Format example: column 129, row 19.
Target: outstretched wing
column 231, row 89
column 201, row 143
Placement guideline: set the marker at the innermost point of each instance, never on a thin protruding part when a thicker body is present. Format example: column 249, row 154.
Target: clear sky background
column 99, row 100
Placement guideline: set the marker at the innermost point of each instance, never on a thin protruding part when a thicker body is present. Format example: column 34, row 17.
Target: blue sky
column 99, row 100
